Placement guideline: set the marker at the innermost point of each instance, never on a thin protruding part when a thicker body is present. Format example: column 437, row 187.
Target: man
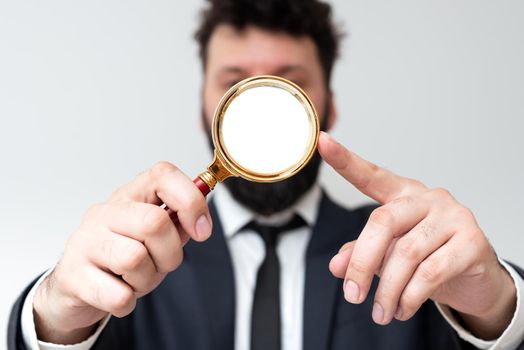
column 441, row 285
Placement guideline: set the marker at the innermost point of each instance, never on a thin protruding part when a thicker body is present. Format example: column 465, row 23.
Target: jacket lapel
column 334, row 227
column 213, row 271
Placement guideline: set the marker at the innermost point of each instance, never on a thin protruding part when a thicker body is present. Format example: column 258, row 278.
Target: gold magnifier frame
column 224, row 165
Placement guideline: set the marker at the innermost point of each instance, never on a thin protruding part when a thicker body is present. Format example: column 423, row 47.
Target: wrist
column 52, row 324
column 492, row 323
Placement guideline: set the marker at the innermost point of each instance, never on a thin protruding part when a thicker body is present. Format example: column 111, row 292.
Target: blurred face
column 235, row 55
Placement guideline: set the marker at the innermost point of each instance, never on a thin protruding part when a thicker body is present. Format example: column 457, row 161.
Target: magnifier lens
column 266, row 130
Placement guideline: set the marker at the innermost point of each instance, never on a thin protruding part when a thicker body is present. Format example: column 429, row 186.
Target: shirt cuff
column 511, row 337
column 29, row 330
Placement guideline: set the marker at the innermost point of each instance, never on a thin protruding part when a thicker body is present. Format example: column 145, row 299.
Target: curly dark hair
column 311, row 18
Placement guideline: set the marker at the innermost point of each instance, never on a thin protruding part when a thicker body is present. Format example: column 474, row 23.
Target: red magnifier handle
column 202, row 186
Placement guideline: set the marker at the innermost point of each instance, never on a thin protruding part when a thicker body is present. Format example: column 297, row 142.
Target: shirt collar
column 234, row 216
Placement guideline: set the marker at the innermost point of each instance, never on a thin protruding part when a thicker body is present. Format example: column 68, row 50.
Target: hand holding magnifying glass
column 265, row 129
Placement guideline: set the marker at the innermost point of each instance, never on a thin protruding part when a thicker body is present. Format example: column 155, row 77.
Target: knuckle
column 193, row 201
column 409, row 303
column 416, row 183
column 123, row 302
column 134, row 257
column 382, row 216
column 411, row 186
column 174, row 263
column 430, row 271
column 408, row 249
column 155, row 220
column 162, row 168
column 357, row 266
column 465, row 213
column 149, row 284
column 442, row 193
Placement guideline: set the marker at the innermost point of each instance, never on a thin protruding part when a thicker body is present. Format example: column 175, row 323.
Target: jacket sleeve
column 465, row 345
column 520, row 271
column 110, row 338
column 15, row 339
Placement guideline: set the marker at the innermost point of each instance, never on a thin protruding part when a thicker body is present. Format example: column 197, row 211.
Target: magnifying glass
column 265, row 129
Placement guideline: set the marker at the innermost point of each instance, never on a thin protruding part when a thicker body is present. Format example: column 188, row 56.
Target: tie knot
column 269, row 233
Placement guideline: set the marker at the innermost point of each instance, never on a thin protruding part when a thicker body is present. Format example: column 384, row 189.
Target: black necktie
column 265, row 319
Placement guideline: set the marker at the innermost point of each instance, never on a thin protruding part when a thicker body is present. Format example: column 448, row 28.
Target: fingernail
column 351, row 291
column 398, row 313
column 202, row 227
column 378, row 313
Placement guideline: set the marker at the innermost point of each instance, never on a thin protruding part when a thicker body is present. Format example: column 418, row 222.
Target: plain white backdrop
column 93, row 93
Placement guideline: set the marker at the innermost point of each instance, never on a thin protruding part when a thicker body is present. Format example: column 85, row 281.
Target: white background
column 93, row 93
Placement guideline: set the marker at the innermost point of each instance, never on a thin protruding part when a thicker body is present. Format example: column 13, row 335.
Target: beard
column 270, row 198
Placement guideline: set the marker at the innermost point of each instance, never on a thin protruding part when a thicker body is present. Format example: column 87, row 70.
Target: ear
column 331, row 111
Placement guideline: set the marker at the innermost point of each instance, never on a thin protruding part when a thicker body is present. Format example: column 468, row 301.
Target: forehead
column 258, row 51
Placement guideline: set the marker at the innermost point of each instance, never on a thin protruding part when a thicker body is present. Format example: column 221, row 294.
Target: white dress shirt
column 247, row 252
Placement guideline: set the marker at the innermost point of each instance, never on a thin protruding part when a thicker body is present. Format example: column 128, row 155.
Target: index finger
column 165, row 183
column 378, row 183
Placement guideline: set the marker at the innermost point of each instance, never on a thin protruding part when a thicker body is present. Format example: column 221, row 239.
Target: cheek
column 210, row 102
column 318, row 97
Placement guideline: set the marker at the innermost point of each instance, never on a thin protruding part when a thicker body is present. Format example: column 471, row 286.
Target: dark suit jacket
column 194, row 307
